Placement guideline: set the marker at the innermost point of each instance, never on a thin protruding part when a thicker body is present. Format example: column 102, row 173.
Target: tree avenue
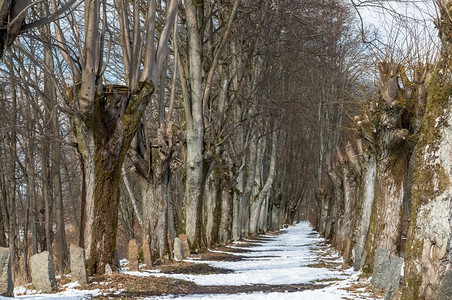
column 203, row 122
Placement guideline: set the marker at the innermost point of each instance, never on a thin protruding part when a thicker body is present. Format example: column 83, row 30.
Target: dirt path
column 295, row 262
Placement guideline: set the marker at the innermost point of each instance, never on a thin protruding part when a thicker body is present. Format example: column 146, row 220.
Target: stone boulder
column 43, row 273
column 186, row 244
column 387, row 272
column 133, row 255
column 6, row 283
column 78, row 265
column 108, row 270
column 178, row 249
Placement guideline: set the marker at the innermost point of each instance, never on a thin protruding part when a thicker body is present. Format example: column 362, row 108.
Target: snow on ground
column 69, row 294
column 278, row 259
column 281, row 259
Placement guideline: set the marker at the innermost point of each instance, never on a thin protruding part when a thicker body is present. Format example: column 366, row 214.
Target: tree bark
column 155, row 208
column 237, row 198
column 212, row 204
column 257, row 187
column 224, row 234
column 366, row 195
column 428, row 273
column 392, row 157
column 195, row 127
column 104, row 136
column 250, row 181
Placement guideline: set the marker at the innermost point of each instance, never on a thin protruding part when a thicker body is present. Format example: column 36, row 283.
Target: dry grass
column 182, row 267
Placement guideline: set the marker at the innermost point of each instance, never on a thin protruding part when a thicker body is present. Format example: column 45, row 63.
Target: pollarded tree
column 393, row 117
column 106, row 117
column 151, row 157
column 428, row 273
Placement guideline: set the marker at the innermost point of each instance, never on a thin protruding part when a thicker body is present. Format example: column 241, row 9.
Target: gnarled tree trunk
column 104, row 135
column 362, row 215
column 428, row 266
column 392, row 153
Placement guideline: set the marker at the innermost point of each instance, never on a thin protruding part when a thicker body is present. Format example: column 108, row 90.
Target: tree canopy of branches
column 214, row 120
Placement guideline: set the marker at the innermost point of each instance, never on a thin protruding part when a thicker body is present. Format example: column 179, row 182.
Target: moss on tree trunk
column 104, row 132
column 428, row 247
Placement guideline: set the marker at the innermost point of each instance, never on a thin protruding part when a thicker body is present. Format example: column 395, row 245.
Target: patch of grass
column 361, row 288
column 319, row 265
column 135, row 286
column 324, row 264
column 329, row 279
column 215, row 256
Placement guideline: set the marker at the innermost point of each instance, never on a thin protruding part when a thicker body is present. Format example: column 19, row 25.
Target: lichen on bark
column 428, row 251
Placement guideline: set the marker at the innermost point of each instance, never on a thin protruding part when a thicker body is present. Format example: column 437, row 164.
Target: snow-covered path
column 296, row 258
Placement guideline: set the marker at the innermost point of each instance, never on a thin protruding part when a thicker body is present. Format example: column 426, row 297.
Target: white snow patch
column 437, row 120
column 124, row 262
column 71, row 285
column 69, row 294
column 139, row 273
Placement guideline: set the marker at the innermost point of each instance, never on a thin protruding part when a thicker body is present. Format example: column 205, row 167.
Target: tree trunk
column 104, row 136
column 262, row 200
column 255, row 204
column 250, row 181
column 350, row 174
column 333, row 205
column 195, row 126
column 362, row 215
column 237, row 200
column 428, row 272
column 193, row 186
column 12, row 235
column 212, row 205
column 3, row 225
column 237, row 203
column 45, row 194
column 263, row 215
column 155, row 215
column 322, row 200
column 171, row 218
column 392, row 156
column 4, row 205
column 224, row 234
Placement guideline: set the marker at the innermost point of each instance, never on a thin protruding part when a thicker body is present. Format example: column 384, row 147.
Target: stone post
column 147, row 254
column 43, row 273
column 78, row 265
column 133, row 255
column 185, row 243
column 178, row 249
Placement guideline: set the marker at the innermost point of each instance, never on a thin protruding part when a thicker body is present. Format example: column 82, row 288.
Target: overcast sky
column 411, row 22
